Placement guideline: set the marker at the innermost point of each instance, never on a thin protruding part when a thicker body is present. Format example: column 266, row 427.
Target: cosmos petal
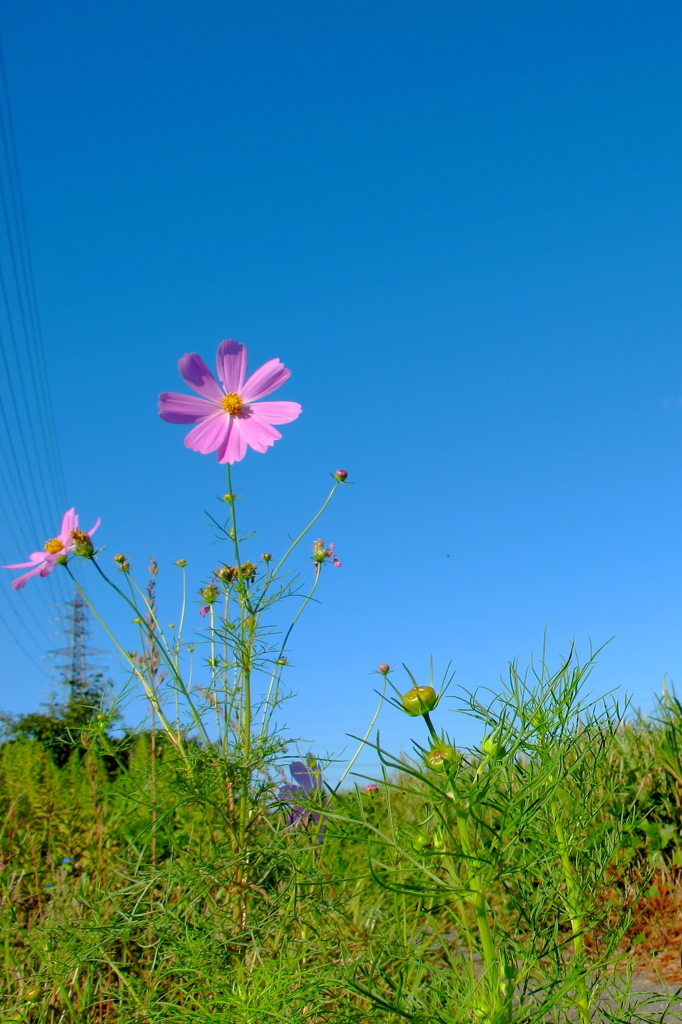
column 177, row 408
column 267, row 378
column 231, row 365
column 209, row 434
column 233, row 449
column 275, row 412
column 304, row 775
column 35, row 556
column 69, row 523
column 257, row 434
column 20, row 581
column 197, row 374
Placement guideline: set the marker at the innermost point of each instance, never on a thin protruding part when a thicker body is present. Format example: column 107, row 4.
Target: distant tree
column 59, row 725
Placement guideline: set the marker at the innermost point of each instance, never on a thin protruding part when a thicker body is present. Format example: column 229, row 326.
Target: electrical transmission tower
column 78, row 665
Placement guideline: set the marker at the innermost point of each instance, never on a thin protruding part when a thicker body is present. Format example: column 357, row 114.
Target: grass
column 125, row 899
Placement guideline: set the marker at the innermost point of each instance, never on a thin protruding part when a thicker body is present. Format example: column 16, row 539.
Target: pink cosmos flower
column 229, row 415
column 43, row 562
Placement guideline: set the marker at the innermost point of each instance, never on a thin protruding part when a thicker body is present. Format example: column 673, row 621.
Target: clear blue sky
column 459, row 225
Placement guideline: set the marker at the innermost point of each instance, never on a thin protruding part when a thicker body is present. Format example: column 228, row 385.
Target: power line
column 33, row 495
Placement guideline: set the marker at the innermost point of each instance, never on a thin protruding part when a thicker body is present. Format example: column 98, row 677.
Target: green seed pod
column 419, row 700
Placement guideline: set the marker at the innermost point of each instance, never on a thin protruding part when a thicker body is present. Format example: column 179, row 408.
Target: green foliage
column 59, row 728
column 122, row 898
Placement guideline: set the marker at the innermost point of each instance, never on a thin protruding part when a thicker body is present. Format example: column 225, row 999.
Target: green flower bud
column 181, row 563
column 420, row 842
column 440, row 757
column 493, row 748
column 419, row 700
column 267, row 557
column 209, row 594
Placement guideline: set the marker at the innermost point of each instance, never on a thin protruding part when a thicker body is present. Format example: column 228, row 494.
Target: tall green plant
column 511, row 864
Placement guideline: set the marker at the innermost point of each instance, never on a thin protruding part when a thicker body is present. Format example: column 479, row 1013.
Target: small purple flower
column 300, row 794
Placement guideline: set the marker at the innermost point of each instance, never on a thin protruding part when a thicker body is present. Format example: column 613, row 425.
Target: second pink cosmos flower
column 229, row 416
column 43, row 562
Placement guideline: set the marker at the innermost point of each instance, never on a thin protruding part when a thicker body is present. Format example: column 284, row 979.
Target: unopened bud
column 440, row 757
column 125, row 566
column 341, row 475
column 421, row 842
column 209, row 594
column 281, row 661
column 419, row 700
column 266, row 557
column 228, row 497
column 120, row 559
column 372, row 788
column 181, row 563
column 384, row 669
column 492, row 747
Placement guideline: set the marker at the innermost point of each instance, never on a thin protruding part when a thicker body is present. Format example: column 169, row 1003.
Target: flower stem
column 577, row 920
column 480, row 906
column 267, row 710
column 300, row 537
column 248, row 625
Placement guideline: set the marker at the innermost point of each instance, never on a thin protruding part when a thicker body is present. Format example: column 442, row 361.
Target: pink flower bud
column 341, row 475
column 205, row 610
column 372, row 788
column 181, row 563
column 384, row 669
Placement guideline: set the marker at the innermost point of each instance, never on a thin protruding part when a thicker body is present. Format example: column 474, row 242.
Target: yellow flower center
column 232, row 403
column 53, row 546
